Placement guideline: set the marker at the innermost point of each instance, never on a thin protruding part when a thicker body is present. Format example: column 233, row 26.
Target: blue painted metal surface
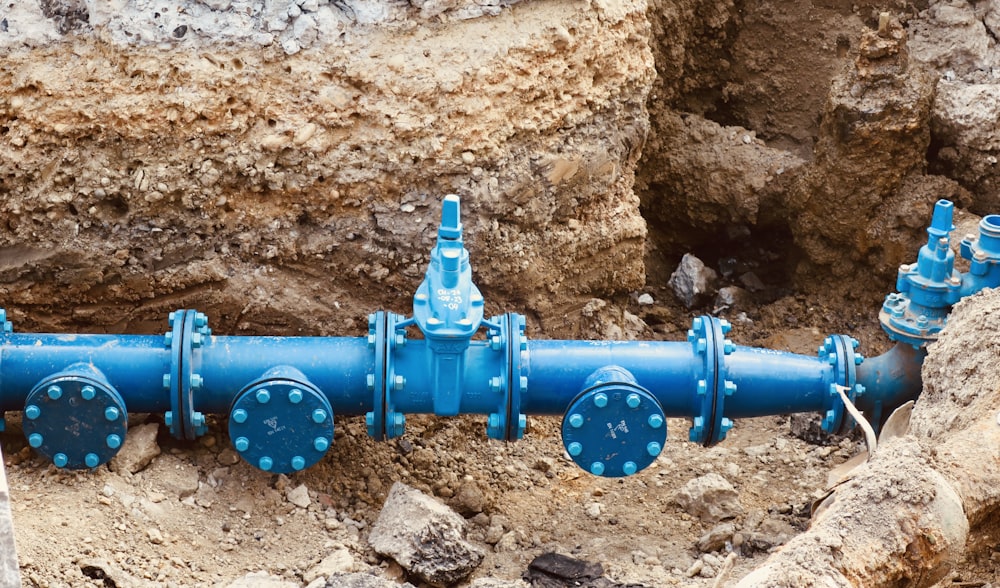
column 281, row 393
column 614, row 427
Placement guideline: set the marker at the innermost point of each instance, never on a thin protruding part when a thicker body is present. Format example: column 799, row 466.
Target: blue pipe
column 282, row 394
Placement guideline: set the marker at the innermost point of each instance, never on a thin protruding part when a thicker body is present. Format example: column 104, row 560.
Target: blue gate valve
column 448, row 309
column 927, row 289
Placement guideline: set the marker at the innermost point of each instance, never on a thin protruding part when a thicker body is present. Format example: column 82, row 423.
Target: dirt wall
column 296, row 192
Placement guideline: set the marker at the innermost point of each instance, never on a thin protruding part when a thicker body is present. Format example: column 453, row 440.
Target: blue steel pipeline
column 281, row 394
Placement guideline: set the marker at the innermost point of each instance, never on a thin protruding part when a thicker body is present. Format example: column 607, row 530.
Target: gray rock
column 359, row 580
column 732, row 298
column 645, row 299
column 752, row 282
column 424, row 536
column 299, row 496
column 710, row 498
column 692, row 280
column 717, row 537
column 138, row 450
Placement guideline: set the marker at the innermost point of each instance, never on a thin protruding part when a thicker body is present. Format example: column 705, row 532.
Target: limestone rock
column 424, row 536
column 717, row 537
column 710, row 498
column 299, row 496
column 138, row 450
column 339, row 561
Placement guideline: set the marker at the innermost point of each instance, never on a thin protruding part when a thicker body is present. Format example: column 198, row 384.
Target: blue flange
column 708, row 339
column 614, row 428
column 508, row 422
column 188, row 332
column 840, row 351
column 281, row 423
column 75, row 417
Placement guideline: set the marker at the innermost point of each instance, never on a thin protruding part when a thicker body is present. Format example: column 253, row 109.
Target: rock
column 554, row 566
column 717, row 537
column 155, row 537
column 111, row 573
column 138, row 450
column 469, row 500
column 807, row 426
column 359, row 580
column 752, row 282
column 951, row 36
column 645, row 299
column 299, row 496
column 710, row 498
column 228, row 457
column 175, row 477
column 424, row 536
column 732, row 298
column 262, row 580
column 692, row 280
column 967, row 115
column 339, row 561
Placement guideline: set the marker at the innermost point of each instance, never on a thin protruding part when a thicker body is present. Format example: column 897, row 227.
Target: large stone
column 710, row 498
column 424, row 536
column 692, row 281
column 138, row 450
